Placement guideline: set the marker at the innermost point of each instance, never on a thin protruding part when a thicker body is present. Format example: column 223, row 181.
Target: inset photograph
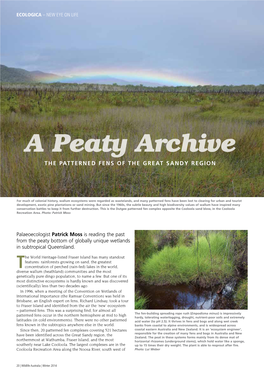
column 177, row 269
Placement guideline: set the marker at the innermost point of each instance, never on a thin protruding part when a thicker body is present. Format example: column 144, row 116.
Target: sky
column 176, row 42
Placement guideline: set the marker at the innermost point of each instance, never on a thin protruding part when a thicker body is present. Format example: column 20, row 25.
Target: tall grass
column 141, row 301
column 144, row 247
column 241, row 295
column 180, row 264
column 130, row 116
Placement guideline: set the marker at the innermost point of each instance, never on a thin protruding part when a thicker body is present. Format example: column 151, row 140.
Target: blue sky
column 214, row 42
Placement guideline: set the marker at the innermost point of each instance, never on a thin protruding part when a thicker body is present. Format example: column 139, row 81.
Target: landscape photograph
column 159, row 69
column 191, row 269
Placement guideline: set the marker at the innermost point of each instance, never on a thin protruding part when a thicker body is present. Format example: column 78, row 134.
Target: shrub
column 12, row 109
column 173, row 238
column 253, row 102
column 25, row 108
column 168, row 238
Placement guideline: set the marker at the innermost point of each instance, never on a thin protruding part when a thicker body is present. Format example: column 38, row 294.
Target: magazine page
column 131, row 185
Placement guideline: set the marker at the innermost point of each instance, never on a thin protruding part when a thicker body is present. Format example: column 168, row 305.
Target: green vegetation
column 19, row 79
column 14, row 77
column 140, row 301
column 150, row 242
column 241, row 295
column 130, row 115
column 214, row 261
column 174, row 238
column 144, row 247
column 207, row 260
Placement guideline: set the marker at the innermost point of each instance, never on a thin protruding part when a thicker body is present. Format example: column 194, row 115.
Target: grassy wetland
column 130, row 115
column 191, row 269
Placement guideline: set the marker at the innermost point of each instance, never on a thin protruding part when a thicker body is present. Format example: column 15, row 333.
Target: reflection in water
column 177, row 296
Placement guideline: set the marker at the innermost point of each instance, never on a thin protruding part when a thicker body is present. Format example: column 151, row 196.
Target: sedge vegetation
column 130, row 115
column 241, row 296
column 141, row 301
column 184, row 264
